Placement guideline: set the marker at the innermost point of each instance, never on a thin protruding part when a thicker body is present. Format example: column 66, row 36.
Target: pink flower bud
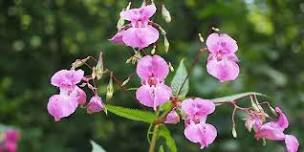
column 95, row 105
column 172, row 118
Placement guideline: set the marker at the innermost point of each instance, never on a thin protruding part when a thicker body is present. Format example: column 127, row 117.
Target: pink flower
column 67, row 78
column 10, row 141
column 172, row 118
column 153, row 70
column 197, row 109
column 274, row 130
column 60, row 106
column 12, row 135
column 222, row 61
column 95, row 105
column 153, row 95
column 64, row 104
column 201, row 133
column 197, row 130
column 140, row 34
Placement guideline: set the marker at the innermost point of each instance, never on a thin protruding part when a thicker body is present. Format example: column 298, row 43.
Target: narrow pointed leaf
column 170, row 142
column 236, row 97
column 180, row 83
column 96, row 147
column 132, row 114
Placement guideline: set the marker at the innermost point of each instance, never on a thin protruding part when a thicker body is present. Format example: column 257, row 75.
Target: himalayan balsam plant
column 169, row 103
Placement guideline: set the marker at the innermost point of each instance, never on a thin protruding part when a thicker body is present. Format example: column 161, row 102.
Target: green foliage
column 132, row 114
column 170, row 142
column 236, row 96
column 38, row 38
column 180, row 82
column 96, row 147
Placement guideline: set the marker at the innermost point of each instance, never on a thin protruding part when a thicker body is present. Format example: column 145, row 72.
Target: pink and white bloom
column 222, row 61
column 197, row 109
column 274, row 130
column 201, row 133
column 197, row 130
column 95, row 105
column 153, row 70
column 172, row 117
column 140, row 34
column 66, row 102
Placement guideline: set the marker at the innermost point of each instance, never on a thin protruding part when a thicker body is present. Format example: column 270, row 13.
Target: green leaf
column 96, row 147
column 236, row 97
column 179, row 84
column 132, row 114
column 161, row 148
column 170, row 142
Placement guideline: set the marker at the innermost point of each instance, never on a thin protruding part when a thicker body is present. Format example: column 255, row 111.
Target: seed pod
column 166, row 14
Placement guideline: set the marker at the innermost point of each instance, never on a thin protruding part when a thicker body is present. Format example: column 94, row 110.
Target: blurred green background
column 39, row 37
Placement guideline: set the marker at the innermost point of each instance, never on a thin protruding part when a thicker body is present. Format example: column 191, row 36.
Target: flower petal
column 136, row 14
column 153, row 96
column 140, row 37
column 79, row 95
column 67, row 78
column 268, row 132
column 201, row 133
column 144, row 95
column 292, row 143
column 60, row 106
column 149, row 66
column 221, row 43
column 224, row 70
column 197, row 109
column 117, row 38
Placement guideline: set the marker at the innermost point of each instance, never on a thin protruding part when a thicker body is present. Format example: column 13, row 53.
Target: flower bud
column 95, row 105
column 172, row 118
column 166, row 14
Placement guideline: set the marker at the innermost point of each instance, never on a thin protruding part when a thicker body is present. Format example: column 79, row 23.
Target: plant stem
column 154, row 139
column 195, row 61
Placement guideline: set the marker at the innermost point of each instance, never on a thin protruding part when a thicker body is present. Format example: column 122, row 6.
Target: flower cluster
column 137, row 34
column 9, row 142
column 274, row 130
column 152, row 71
column 71, row 96
column 196, row 129
column 222, row 61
